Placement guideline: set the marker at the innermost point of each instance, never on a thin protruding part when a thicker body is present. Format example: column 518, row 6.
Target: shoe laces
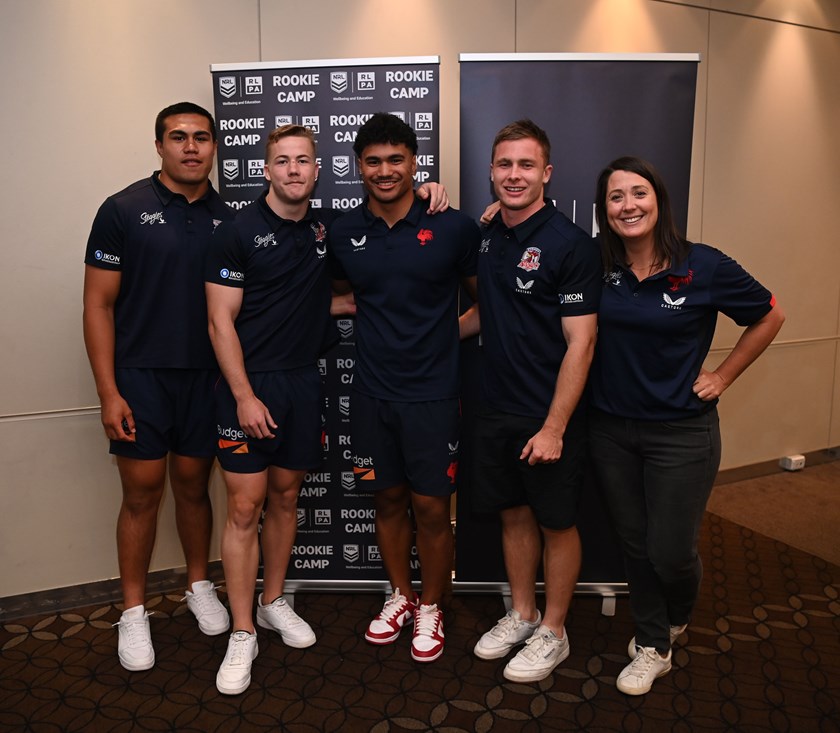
column 203, row 599
column 135, row 629
column 238, row 649
column 642, row 663
column 426, row 620
column 505, row 626
column 392, row 607
column 282, row 608
column 535, row 645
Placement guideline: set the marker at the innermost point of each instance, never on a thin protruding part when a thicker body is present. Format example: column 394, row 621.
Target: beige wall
column 83, row 79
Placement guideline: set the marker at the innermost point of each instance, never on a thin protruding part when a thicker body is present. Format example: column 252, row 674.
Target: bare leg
column 189, row 477
column 522, row 547
column 240, row 543
column 394, row 534
column 562, row 565
column 434, row 544
column 279, row 528
column 142, row 487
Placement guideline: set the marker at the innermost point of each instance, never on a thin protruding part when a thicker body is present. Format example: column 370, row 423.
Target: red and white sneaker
column 427, row 643
column 396, row 613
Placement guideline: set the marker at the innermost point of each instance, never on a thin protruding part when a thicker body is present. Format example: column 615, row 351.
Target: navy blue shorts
column 293, row 397
column 395, row 442
column 502, row 480
column 173, row 412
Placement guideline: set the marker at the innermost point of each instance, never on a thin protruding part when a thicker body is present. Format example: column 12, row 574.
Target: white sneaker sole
column 641, row 690
column 288, row 640
column 515, row 675
column 137, row 666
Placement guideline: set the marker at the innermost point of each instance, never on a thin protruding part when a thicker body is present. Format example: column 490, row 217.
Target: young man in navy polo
column 145, row 332
column 404, row 268
column 540, row 281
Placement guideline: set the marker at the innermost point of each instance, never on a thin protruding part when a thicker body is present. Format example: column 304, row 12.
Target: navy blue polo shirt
column 158, row 241
column 284, row 321
column 529, row 278
column 654, row 335
column 405, row 281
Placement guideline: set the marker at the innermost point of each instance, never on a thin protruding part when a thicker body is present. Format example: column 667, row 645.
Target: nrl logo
column 230, row 169
column 227, row 86
column 341, row 165
column 338, row 81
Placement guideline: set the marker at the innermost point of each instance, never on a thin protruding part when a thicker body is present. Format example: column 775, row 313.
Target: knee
column 672, row 565
column 243, row 513
column 144, row 501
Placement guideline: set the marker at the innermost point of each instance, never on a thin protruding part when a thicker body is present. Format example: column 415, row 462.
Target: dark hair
column 383, row 128
column 181, row 108
column 520, row 130
column 669, row 246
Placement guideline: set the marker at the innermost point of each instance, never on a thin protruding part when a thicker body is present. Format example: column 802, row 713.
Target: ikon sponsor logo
column 230, row 169
column 281, row 120
column 253, row 85
column 351, row 553
column 106, row 257
column 365, row 80
column 341, row 165
column 338, row 81
column 313, row 122
column 423, row 121
column 256, row 168
column 570, row 297
column 231, row 275
column 227, row 86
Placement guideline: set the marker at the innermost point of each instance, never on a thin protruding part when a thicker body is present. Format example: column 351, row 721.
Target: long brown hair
column 669, row 246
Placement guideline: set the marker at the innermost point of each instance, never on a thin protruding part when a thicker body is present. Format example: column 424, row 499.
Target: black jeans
column 656, row 478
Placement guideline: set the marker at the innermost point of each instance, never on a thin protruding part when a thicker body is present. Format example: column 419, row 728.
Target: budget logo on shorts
column 313, row 122
column 323, row 517
column 344, row 404
column 227, row 86
column 423, row 121
column 365, row 81
column 373, row 553
column 256, row 168
column 348, row 483
column 338, row 81
column 301, row 517
column 345, row 327
column 280, row 120
column 351, row 553
column 253, row 85
column 230, row 169
column 341, row 165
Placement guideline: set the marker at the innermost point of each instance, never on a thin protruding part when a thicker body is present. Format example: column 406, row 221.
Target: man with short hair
column 405, row 268
column 540, row 281
column 145, row 334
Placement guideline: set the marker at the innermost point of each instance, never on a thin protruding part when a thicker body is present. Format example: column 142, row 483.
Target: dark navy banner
column 336, row 541
column 594, row 108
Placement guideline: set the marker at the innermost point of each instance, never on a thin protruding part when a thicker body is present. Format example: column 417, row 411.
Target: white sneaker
column 673, row 634
column 205, row 605
column 508, row 632
column 542, row 653
column 638, row 676
column 234, row 675
column 279, row 616
column 427, row 641
column 134, row 647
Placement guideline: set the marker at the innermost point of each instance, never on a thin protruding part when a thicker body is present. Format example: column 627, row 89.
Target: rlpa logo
column 423, row 121
column 338, row 81
column 230, row 169
column 227, row 86
column 313, row 122
column 341, row 165
column 253, row 85
column 366, row 80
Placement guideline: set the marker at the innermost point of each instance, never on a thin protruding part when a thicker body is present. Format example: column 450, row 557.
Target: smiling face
column 291, row 170
column 186, row 151
column 631, row 207
column 387, row 171
column 519, row 173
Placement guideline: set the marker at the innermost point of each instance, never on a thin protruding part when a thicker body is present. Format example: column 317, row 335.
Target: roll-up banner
column 595, row 108
column 336, row 544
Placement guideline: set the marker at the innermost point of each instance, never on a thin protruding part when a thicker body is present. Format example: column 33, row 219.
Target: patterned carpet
column 763, row 654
